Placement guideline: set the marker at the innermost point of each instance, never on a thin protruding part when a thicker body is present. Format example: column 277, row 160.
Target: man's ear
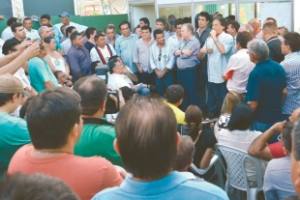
column 116, row 146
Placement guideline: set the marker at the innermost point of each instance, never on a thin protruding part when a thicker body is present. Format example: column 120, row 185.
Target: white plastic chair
column 236, row 171
column 202, row 172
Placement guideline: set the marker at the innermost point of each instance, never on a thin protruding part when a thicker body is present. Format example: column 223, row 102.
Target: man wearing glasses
column 125, row 45
column 161, row 61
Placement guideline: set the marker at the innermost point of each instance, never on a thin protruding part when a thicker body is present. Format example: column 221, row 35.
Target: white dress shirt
column 241, row 66
column 7, row 33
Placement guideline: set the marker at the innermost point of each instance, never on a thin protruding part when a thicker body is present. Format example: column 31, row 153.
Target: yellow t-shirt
column 179, row 114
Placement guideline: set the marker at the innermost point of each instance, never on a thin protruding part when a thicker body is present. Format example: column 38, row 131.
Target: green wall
column 99, row 22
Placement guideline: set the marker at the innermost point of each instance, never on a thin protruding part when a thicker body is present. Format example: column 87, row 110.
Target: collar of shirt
column 292, row 54
column 162, row 185
column 272, row 39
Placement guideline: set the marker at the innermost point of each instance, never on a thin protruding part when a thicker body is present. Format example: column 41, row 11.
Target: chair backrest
column 236, row 168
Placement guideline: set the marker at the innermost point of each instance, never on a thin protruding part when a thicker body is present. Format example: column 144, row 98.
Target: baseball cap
column 64, row 14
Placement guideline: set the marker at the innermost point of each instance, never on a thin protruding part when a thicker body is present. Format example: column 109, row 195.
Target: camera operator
column 120, row 76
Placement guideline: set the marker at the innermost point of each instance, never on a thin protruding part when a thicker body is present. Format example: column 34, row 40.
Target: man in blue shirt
column 125, row 46
column 148, row 147
column 79, row 57
column 14, row 132
column 266, row 85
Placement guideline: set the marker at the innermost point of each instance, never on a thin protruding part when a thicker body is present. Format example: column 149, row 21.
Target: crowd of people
column 93, row 114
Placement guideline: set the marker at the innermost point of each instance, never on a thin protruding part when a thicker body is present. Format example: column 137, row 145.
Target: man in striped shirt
column 290, row 47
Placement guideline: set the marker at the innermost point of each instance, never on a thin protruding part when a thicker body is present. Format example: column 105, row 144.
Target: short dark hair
column 162, row 20
column 11, row 21
column 179, row 22
column 51, row 116
column 147, row 143
column 157, row 32
column 35, row 187
column 45, row 16
column 234, row 24
column 241, row 118
column 145, row 20
column 48, row 39
column 204, row 14
column 270, row 26
column 146, row 28
column 272, row 19
column 292, row 39
column 69, row 30
column 230, row 18
column 27, row 18
column 93, row 92
column 123, row 23
column 243, row 38
column 5, row 97
column 99, row 34
column 9, row 45
column 112, row 63
column 90, row 31
column 14, row 26
column 74, row 35
column 174, row 93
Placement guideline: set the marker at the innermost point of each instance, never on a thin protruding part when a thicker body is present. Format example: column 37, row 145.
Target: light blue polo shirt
column 13, row 135
column 175, row 186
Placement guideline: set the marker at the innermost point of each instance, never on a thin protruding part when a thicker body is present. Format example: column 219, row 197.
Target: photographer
column 120, row 76
column 98, row 135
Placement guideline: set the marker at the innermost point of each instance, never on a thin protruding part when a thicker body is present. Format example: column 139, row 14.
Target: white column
column 17, row 8
column 296, row 16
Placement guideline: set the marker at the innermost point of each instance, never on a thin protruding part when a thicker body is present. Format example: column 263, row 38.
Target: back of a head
column 292, row 39
column 9, row 86
column 241, row 118
column 35, row 187
column 185, row 153
column 90, row 31
column 74, row 35
column 147, row 137
column 11, row 21
column 193, row 114
column 174, row 94
column 270, row 27
column 69, row 30
column 259, row 48
column 51, row 116
column 243, row 38
column 93, row 92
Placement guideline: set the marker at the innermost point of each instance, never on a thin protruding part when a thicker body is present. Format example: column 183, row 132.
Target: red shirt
column 276, row 150
column 85, row 176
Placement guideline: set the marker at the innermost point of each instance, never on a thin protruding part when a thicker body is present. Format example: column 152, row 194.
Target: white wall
column 139, row 11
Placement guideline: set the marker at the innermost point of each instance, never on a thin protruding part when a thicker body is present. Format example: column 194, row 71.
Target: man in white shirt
column 161, row 61
column 239, row 66
column 7, row 32
column 31, row 33
column 120, row 76
column 65, row 20
column 66, row 44
column 102, row 52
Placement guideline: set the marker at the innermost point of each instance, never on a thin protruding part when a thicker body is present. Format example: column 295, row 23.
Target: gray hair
column 259, row 48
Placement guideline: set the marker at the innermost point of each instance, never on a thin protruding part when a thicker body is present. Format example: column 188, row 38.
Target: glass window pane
column 247, row 12
column 275, row 10
column 178, row 11
column 224, row 9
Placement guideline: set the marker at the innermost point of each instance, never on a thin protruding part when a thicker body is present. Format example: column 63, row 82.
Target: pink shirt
column 85, row 176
